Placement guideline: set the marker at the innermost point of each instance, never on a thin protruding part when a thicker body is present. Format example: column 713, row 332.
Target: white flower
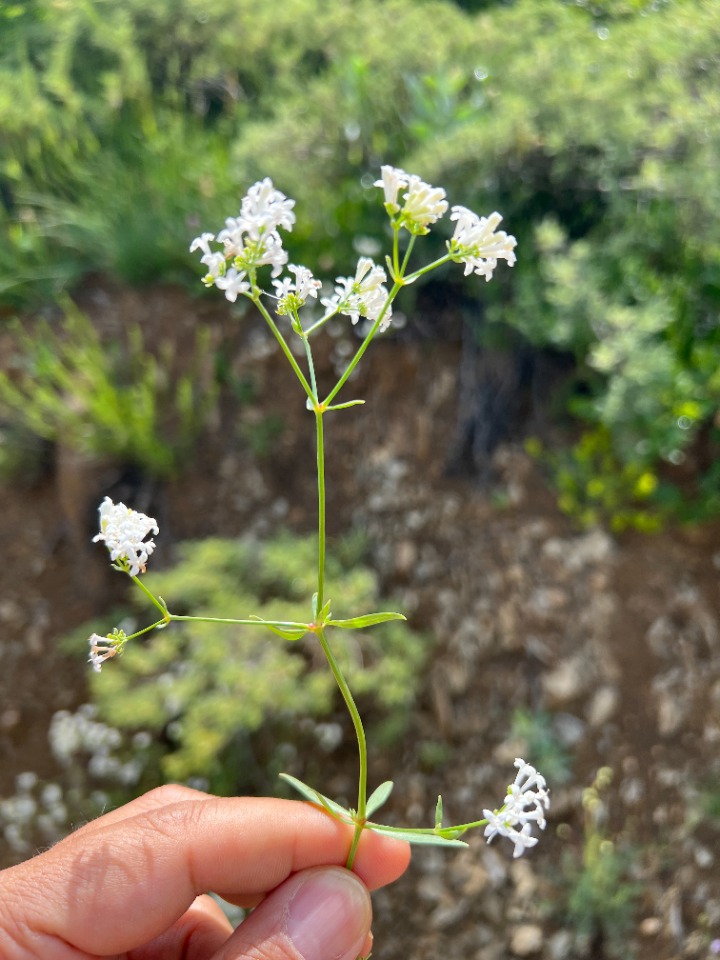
column 249, row 240
column 292, row 295
column 264, row 209
column 362, row 295
column 202, row 243
column 393, row 178
column 423, row 205
column 213, row 260
column 270, row 251
column 476, row 244
column 233, row 283
column 100, row 651
column 124, row 531
column 526, row 801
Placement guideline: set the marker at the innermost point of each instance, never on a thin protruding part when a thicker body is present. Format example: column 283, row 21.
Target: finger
column 197, row 935
column 319, row 914
column 152, row 800
column 149, row 868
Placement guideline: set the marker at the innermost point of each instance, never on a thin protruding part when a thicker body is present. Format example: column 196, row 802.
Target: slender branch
column 152, row 598
column 321, row 506
column 282, row 624
column 284, row 347
column 359, row 733
column 364, row 345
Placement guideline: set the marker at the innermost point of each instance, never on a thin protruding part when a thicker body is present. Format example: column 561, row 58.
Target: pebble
column 526, row 940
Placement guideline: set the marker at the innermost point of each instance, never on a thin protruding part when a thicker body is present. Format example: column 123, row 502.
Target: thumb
column 323, row 913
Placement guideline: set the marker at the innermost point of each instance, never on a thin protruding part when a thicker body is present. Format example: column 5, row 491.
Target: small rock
column 602, row 706
column 575, row 554
column 567, row 681
column 704, row 858
column 651, row 926
column 561, row 945
column 526, row 940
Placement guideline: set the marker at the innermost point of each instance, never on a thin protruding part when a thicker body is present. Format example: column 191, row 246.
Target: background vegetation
column 125, row 127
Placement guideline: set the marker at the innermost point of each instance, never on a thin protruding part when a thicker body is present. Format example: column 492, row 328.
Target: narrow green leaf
column 438, row 813
column 314, row 606
column 293, row 633
column 378, row 797
column 314, row 796
column 369, row 620
column 325, row 612
column 428, row 839
column 344, row 406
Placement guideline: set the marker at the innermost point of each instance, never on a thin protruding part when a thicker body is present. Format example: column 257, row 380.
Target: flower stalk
column 248, row 243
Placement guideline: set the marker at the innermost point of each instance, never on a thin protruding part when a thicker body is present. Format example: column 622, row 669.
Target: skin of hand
column 132, row 885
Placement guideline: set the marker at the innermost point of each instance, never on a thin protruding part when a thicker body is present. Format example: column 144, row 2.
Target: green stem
column 362, row 742
column 320, row 323
column 282, row 624
column 364, row 345
column 431, row 266
column 321, row 507
column 153, row 626
column 152, row 598
column 284, row 347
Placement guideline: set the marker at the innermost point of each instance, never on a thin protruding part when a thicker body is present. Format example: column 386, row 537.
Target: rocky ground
column 589, row 650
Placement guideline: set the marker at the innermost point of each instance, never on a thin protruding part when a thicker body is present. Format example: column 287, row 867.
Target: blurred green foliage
column 540, row 741
column 202, row 689
column 593, row 126
column 601, row 899
column 103, row 400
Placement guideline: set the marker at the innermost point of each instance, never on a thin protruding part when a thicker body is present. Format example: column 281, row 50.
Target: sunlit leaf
column 369, row 620
column 378, row 797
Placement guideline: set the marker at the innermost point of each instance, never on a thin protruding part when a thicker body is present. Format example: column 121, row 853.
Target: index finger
column 132, row 879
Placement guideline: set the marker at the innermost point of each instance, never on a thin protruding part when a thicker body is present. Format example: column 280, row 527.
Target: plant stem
column 284, row 347
column 154, row 600
column 321, row 507
column 363, row 346
column 282, row 624
column 362, row 742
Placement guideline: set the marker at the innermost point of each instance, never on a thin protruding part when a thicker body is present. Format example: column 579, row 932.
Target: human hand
column 131, row 885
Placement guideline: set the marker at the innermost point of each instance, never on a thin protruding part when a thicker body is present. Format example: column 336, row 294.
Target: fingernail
column 329, row 916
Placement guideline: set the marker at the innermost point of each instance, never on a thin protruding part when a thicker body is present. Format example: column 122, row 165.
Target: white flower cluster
column 476, row 244
column 526, row 802
column 291, row 296
column 423, row 204
column 124, row 531
column 249, row 240
column 101, row 649
column 362, row 295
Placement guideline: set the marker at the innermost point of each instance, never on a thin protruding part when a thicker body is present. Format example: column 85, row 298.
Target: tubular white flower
column 476, row 243
column 526, row 801
column 232, row 283
column 249, row 240
column 362, row 295
column 124, row 531
column 100, row 651
column 292, row 295
column 392, row 179
column 423, row 205
column 264, row 209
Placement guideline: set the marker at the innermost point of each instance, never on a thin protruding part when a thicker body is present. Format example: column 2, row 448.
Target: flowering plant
column 232, row 260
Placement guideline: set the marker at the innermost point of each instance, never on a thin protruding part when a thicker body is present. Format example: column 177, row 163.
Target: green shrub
column 105, row 400
column 121, row 123
column 202, row 689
